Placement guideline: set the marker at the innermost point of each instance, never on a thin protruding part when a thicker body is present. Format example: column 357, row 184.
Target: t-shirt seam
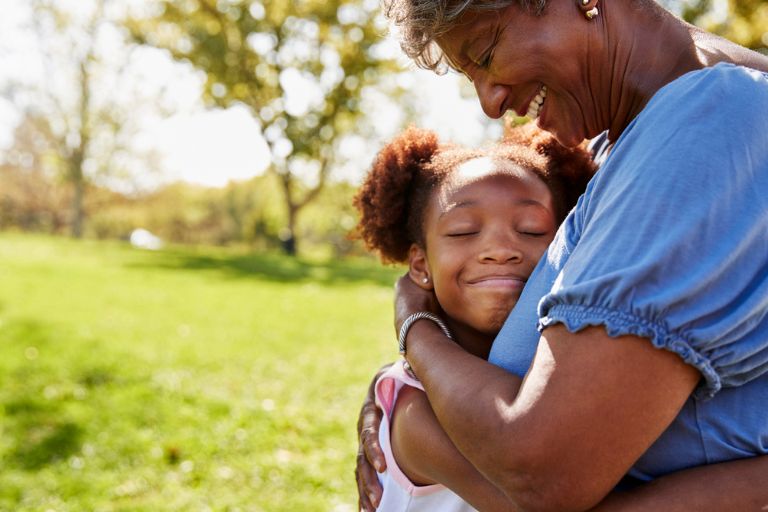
column 700, row 432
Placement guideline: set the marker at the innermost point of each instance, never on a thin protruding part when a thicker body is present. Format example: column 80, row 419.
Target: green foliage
column 182, row 379
column 743, row 21
column 255, row 55
column 244, row 212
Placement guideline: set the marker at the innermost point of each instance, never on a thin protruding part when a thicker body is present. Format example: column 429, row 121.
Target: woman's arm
column 734, row 486
column 370, row 458
column 588, row 408
column 426, row 455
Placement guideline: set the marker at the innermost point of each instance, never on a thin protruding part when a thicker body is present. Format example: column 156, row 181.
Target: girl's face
column 486, row 228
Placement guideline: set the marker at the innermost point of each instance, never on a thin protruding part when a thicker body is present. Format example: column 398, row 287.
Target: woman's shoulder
column 723, row 104
column 722, row 87
column 723, row 74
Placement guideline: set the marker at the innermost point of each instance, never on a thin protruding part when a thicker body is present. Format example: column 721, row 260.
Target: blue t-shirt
column 670, row 242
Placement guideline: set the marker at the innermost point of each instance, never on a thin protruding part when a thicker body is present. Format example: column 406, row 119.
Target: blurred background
column 185, row 322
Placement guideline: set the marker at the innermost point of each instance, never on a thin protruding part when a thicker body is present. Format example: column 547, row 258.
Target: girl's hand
column 370, row 458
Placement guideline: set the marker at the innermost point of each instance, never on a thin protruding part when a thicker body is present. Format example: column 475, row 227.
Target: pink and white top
column 400, row 494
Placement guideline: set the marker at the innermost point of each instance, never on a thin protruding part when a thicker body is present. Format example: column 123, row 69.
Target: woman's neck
column 470, row 339
column 648, row 48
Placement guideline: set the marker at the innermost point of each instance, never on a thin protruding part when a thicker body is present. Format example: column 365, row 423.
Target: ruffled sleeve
column 671, row 241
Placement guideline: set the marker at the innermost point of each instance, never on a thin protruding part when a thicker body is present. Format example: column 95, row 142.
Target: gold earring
column 589, row 8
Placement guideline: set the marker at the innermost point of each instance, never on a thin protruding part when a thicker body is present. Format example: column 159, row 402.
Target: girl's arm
column 426, row 454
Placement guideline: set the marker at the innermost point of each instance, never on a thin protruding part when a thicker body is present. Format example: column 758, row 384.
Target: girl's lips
column 512, row 282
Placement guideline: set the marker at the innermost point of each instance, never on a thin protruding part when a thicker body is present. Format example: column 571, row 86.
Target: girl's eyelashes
column 456, row 234
column 532, row 234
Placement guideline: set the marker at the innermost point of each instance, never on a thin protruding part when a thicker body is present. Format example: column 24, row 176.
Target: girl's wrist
column 421, row 342
column 412, row 319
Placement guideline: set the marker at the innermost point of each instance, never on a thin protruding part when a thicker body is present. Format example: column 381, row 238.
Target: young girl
column 472, row 225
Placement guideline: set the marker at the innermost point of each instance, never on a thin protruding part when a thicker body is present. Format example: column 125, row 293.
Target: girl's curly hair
column 398, row 187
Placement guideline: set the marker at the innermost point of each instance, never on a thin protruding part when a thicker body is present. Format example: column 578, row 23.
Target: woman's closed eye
column 486, row 57
column 485, row 60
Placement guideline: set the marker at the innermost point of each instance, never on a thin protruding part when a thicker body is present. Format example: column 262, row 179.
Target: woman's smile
column 537, row 103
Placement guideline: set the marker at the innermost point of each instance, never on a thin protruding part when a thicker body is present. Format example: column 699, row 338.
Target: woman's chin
column 566, row 138
column 565, row 135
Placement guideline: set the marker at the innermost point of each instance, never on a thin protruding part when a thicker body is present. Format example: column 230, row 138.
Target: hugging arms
column 737, row 485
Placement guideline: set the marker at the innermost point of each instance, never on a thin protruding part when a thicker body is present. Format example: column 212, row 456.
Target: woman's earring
column 425, row 280
column 589, row 8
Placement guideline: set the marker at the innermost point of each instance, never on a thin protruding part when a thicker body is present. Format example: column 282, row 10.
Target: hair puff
column 385, row 199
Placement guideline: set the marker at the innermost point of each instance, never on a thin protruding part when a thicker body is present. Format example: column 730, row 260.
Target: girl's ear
column 418, row 268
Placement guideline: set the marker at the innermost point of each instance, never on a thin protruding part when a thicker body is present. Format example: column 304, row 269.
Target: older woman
column 652, row 302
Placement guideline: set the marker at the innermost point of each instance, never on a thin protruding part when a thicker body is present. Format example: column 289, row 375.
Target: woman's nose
column 491, row 97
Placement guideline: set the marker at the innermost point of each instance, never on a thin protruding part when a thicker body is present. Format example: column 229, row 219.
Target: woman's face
column 486, row 228
column 529, row 64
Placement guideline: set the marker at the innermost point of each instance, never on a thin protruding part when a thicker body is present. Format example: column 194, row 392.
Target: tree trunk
column 77, row 207
column 288, row 238
column 78, row 156
column 293, row 206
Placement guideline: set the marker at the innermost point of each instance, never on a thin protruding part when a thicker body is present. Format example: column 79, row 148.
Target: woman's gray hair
column 420, row 22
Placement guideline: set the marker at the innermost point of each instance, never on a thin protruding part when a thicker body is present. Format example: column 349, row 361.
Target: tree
column 78, row 97
column 301, row 67
column 29, row 199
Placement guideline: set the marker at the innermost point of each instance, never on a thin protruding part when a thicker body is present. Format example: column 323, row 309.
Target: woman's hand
column 409, row 299
column 370, row 458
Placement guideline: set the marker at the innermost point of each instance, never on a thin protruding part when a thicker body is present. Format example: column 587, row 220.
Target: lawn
column 182, row 379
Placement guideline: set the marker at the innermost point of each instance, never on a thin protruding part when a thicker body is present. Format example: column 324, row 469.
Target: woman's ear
column 418, row 268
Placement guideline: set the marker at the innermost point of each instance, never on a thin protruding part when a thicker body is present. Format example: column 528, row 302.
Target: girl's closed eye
column 461, row 232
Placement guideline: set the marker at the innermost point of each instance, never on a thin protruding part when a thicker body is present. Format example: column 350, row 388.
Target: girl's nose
column 500, row 250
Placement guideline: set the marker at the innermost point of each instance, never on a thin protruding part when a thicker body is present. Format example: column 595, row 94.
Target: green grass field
column 183, row 379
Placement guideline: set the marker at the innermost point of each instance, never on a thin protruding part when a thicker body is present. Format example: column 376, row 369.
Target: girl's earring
column 425, row 280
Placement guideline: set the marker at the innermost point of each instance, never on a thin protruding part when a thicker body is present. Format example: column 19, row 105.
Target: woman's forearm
column 740, row 485
column 563, row 438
